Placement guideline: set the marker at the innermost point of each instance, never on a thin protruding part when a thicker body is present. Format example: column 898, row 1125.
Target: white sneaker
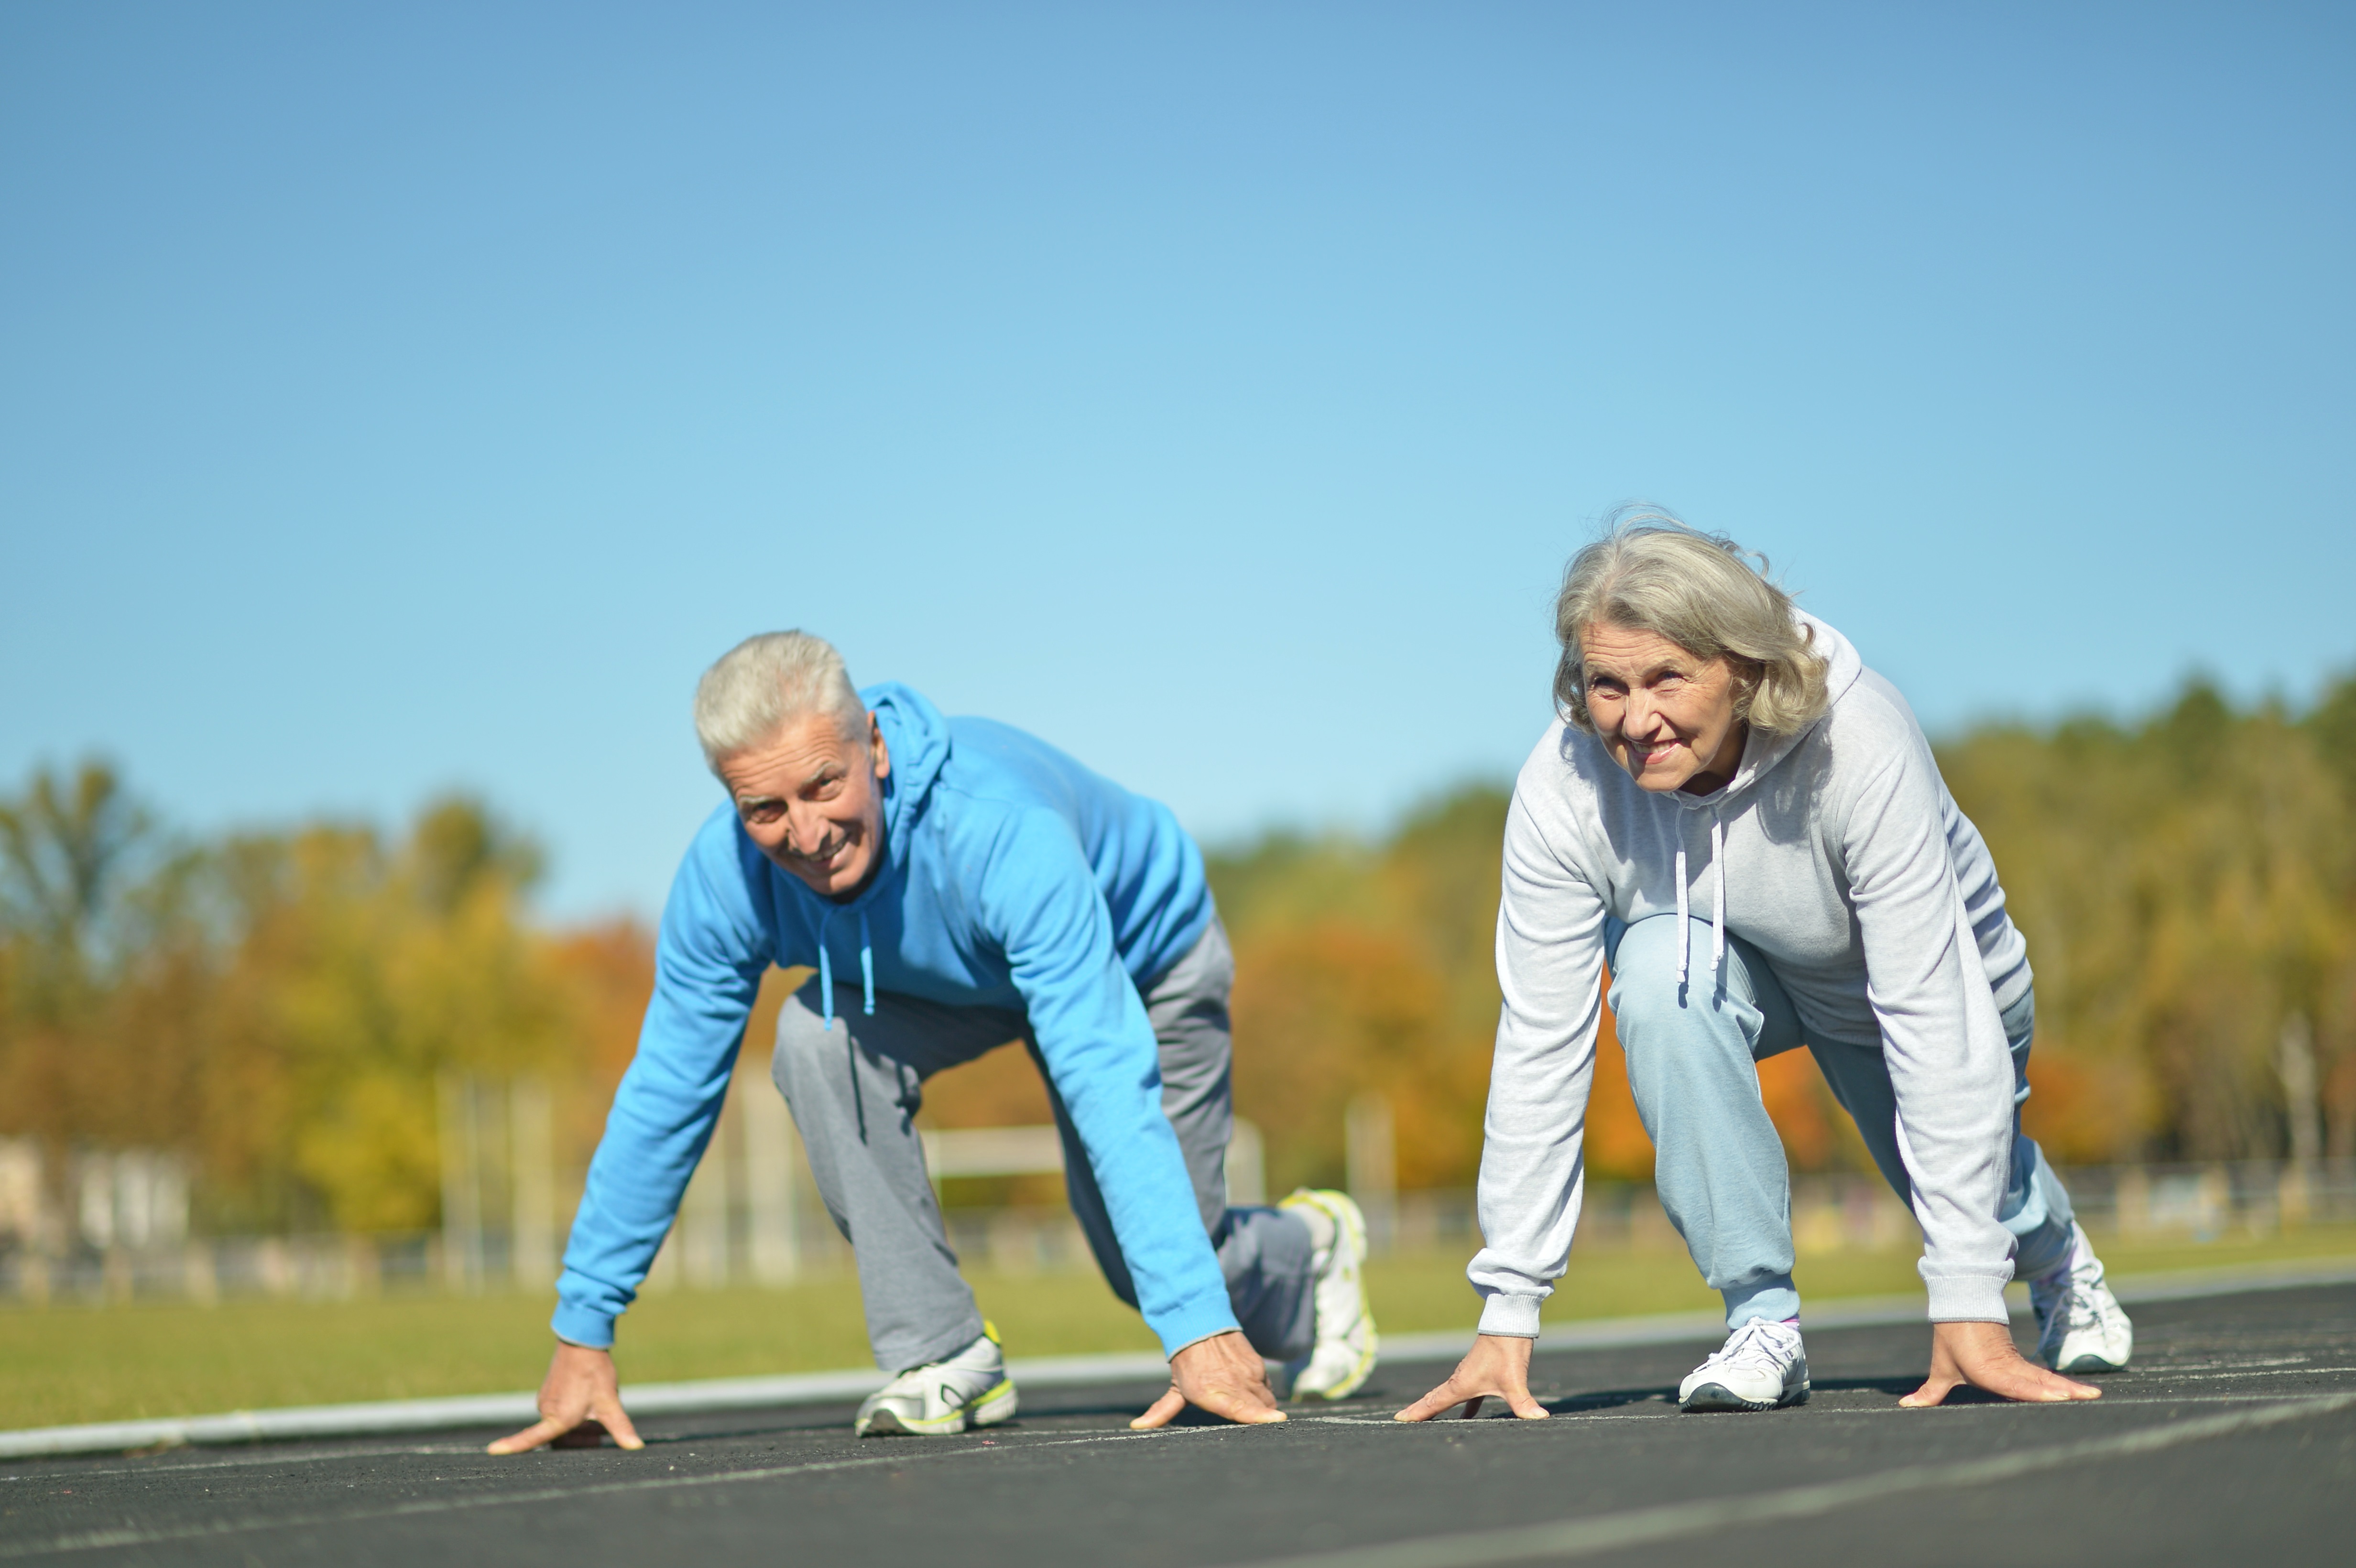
column 969, row 1389
column 2081, row 1327
column 1762, row 1367
column 1347, row 1342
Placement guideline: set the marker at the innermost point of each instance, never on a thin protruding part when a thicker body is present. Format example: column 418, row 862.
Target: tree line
column 276, row 1007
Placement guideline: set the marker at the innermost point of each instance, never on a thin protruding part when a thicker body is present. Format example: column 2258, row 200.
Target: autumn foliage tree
column 274, row 1006
column 277, row 1006
column 2186, row 884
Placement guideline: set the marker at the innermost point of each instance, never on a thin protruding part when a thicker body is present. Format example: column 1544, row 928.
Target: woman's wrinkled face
column 1665, row 716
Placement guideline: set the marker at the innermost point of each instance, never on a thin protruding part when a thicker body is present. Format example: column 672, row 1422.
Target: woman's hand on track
column 1983, row 1355
column 1497, row 1366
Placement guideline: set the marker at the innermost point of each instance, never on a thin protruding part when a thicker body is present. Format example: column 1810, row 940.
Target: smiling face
column 812, row 798
column 1665, row 716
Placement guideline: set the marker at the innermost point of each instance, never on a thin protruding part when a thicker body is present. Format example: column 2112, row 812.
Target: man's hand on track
column 1222, row 1374
column 580, row 1395
column 1983, row 1355
column 1497, row 1366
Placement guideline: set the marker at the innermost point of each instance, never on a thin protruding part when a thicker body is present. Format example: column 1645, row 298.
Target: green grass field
column 65, row 1364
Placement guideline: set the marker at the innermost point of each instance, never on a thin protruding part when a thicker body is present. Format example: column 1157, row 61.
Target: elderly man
column 970, row 885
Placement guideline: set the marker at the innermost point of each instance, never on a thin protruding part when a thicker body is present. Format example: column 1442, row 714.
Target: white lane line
column 76, row 1472
column 1815, row 1411
column 1637, row 1527
column 170, row 1465
column 2216, row 1365
column 2262, row 1372
column 86, row 1541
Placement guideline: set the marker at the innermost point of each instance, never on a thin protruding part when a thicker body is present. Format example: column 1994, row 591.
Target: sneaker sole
column 1350, row 1224
column 1713, row 1398
column 998, row 1406
column 2091, row 1363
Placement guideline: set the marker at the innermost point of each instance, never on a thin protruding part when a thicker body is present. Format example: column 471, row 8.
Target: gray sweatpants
column 855, row 1089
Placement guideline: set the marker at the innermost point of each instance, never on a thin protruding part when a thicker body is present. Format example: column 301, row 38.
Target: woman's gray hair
column 1650, row 572
column 763, row 684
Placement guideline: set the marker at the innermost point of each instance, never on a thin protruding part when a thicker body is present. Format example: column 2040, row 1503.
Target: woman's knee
column 1647, row 994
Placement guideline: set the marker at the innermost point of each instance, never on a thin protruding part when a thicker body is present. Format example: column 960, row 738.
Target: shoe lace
column 1757, row 1343
column 2083, row 1302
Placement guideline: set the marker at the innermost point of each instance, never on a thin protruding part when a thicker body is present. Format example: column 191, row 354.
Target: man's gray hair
column 763, row 684
column 1651, row 573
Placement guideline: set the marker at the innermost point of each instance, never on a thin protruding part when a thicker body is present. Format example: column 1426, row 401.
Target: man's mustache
column 826, row 851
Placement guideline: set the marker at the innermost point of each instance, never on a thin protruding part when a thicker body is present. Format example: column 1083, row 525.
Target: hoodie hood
column 1762, row 755
column 917, row 738
column 1765, row 752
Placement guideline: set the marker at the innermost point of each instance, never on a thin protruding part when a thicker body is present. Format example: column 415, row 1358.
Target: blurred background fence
column 719, row 1243
column 751, row 1217
column 330, row 1060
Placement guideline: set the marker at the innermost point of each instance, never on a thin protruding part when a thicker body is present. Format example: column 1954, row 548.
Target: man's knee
column 803, row 1041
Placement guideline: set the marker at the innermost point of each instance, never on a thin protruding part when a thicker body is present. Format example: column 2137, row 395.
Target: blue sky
column 394, row 398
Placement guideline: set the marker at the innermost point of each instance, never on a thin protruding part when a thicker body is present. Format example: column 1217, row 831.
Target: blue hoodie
column 1012, row 878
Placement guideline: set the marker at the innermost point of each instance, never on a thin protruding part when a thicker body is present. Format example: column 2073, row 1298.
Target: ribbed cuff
column 1968, row 1299
column 582, row 1325
column 1513, row 1317
column 1197, row 1340
column 1190, row 1324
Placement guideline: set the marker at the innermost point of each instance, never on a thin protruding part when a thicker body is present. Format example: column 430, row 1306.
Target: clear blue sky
column 394, row 398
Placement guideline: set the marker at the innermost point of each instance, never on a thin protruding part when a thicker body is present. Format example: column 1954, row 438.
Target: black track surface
column 2233, row 1439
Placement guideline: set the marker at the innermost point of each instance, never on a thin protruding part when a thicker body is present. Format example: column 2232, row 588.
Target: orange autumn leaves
column 1369, row 969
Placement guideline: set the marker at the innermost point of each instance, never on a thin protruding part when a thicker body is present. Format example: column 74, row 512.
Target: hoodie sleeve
column 1039, row 901
column 1949, row 1065
column 709, row 958
column 1549, row 966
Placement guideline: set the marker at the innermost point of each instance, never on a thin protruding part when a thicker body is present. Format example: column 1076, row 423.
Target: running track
column 2233, row 1440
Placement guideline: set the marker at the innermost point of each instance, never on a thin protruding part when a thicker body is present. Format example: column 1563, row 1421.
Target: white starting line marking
column 1634, row 1411
column 1638, row 1527
column 2251, row 1373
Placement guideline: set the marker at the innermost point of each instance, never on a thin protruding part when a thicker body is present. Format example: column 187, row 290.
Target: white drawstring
column 1717, row 913
column 826, row 966
column 826, row 970
column 1681, row 915
column 867, row 953
column 1718, row 924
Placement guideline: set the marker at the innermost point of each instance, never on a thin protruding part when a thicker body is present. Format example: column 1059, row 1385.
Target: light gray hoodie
column 1839, row 855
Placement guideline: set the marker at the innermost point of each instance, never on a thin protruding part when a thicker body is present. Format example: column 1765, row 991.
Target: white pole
column 531, row 1186
column 703, row 1228
column 1373, row 1170
column 773, row 1159
column 2295, row 1060
column 462, row 1191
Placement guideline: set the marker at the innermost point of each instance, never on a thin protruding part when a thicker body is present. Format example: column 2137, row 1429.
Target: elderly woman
column 1746, row 825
